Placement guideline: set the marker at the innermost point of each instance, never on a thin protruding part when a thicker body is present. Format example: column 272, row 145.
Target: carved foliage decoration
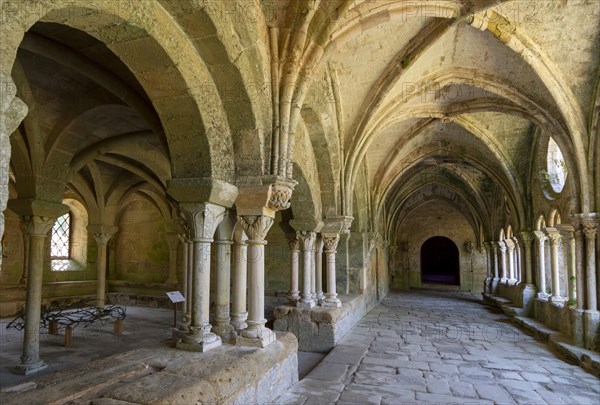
column 279, row 198
column 256, row 226
column 307, row 240
column 330, row 243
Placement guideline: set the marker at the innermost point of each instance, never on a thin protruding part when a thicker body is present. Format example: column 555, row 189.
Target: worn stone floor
column 422, row 347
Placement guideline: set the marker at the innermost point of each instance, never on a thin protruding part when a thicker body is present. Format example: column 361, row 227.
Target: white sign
column 175, row 297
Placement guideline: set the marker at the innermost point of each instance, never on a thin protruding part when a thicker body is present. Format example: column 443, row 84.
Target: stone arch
column 554, row 218
column 125, row 29
column 540, row 223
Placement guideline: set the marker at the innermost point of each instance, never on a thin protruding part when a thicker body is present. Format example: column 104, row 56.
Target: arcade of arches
column 284, row 162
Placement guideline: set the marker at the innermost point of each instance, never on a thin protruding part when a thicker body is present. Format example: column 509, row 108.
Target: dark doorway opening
column 439, row 261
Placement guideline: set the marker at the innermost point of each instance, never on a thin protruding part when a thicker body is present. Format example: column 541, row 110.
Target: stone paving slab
column 421, row 347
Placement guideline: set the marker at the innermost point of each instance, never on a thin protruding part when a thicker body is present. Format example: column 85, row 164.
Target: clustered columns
column 590, row 230
column 496, row 280
column 568, row 237
column 330, row 242
column 510, row 247
column 102, row 234
column 223, row 328
column 319, row 269
column 307, row 240
column 502, row 248
column 37, row 218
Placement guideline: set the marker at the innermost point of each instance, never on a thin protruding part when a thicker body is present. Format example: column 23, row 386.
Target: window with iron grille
column 60, row 243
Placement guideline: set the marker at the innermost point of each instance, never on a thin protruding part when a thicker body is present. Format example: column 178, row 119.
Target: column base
column 225, row 331
column 293, row 298
column 320, row 297
column 303, row 303
column 332, row 303
column 542, row 296
column 181, row 330
column 256, row 337
column 30, row 368
column 557, row 301
column 199, row 343
column 238, row 321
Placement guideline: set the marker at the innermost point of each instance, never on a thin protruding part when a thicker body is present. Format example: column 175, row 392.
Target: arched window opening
column 556, row 168
column 60, row 243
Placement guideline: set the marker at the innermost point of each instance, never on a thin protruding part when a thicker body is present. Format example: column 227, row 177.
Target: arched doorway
column 439, row 261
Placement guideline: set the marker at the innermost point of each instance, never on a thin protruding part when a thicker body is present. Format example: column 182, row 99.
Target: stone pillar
column 555, row 240
column 313, row 271
column 240, row 271
column 37, row 228
column 330, row 246
column 202, row 220
column 37, row 218
column 102, row 235
column 510, row 246
column 184, row 276
column 540, row 239
column 190, row 284
column 503, row 268
column 487, row 285
column 256, row 334
column 319, row 268
column 527, row 238
column 307, row 240
column 579, row 267
column 173, row 242
column 567, row 233
column 590, row 231
column 294, row 294
column 495, row 266
column 223, row 276
column 518, row 261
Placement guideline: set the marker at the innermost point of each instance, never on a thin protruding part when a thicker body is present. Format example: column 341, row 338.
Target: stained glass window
column 60, row 243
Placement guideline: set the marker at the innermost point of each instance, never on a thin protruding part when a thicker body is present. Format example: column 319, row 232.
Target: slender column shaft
column 330, row 247
column 526, row 239
column 223, row 286
column 570, row 263
column 238, row 303
column 541, row 242
column 201, row 286
column 256, row 334
column 511, row 259
column 495, row 260
column 579, row 245
column 590, row 231
column 294, row 294
column 101, row 269
column 190, row 279
column 184, row 274
column 319, row 268
column 307, row 240
column 502, row 248
column 36, row 228
column 555, row 239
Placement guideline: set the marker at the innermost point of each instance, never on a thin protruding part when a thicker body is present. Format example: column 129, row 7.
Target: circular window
column 556, row 168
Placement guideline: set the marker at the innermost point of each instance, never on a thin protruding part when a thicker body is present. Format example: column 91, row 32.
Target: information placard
column 175, row 297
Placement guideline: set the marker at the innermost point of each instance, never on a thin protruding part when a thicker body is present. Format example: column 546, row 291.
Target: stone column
column 223, row 276
column 102, row 234
column 510, row 246
column 319, row 268
column 555, row 239
column 307, row 240
column 294, row 294
column 240, row 271
column 190, row 284
column 518, row 262
column 37, row 228
column 503, row 268
column 540, row 239
column 256, row 334
column 202, row 220
column 184, row 276
column 568, row 238
column 313, row 271
column 579, row 267
column 173, row 242
column 487, row 286
column 496, row 269
column 330, row 246
column 527, row 238
column 590, row 231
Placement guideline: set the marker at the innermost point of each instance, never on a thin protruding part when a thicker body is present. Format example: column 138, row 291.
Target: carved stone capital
column 279, row 197
column 202, row 219
column 264, row 200
column 338, row 224
column 102, row 233
column 502, row 246
column 293, row 242
column 256, row 226
column 526, row 237
column 319, row 244
column 330, row 242
column 37, row 226
column 590, row 226
column 307, row 240
column 553, row 236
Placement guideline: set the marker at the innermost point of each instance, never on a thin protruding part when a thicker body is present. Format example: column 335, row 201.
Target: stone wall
column 437, row 219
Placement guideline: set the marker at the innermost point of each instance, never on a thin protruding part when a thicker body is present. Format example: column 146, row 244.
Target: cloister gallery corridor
column 422, row 347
